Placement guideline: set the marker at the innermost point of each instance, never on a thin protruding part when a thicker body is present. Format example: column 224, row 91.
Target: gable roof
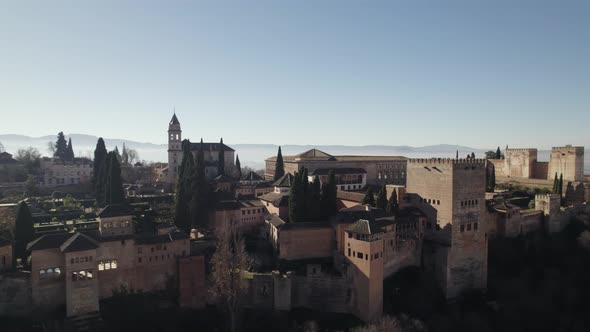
column 276, row 199
column 48, row 241
column 364, row 226
column 314, row 154
column 274, row 220
column 210, row 147
column 78, row 242
column 252, row 176
column 284, row 181
column 114, row 210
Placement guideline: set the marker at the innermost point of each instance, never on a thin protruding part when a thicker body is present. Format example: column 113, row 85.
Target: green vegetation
column 369, row 198
column 279, row 166
column 69, row 155
column 221, row 166
column 329, row 205
column 61, row 146
column 23, row 232
column 381, row 202
column 238, row 167
column 392, row 203
column 297, row 198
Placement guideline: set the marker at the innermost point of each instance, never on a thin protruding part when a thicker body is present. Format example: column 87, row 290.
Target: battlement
column 529, row 150
column 566, row 148
column 546, row 197
column 449, row 161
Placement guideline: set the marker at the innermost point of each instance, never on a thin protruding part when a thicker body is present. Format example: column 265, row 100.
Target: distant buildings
column 59, row 172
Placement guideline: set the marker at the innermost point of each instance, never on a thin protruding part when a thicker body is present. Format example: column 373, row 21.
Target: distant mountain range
column 251, row 155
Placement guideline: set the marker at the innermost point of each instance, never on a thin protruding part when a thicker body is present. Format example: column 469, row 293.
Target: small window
column 468, row 227
column 462, row 228
column 101, row 266
column 89, row 274
column 57, row 271
column 474, row 226
column 74, row 276
column 114, row 264
column 359, row 255
column 107, row 265
column 350, row 235
column 348, row 252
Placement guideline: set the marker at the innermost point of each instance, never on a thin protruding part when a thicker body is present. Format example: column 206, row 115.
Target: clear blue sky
column 477, row 73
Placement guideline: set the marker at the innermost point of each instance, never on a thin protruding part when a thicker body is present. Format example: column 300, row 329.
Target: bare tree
column 7, row 218
column 394, row 324
column 51, row 148
column 229, row 263
column 132, row 156
column 31, row 159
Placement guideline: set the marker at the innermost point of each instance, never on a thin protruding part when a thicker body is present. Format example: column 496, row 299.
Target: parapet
column 567, row 148
column 547, row 197
column 522, row 150
column 449, row 161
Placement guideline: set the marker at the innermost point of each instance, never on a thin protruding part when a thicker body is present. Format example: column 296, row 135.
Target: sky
column 475, row 73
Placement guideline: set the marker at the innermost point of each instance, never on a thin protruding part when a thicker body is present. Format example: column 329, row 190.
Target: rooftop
column 284, row 181
column 338, row 171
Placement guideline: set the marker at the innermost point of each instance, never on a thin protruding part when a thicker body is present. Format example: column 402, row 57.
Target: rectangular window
column 348, row 252
column 475, row 226
column 100, row 266
column 359, row 255
column 468, row 227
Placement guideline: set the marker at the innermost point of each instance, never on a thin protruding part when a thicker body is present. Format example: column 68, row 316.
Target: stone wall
column 305, row 242
column 191, row 282
column 569, row 161
column 6, row 258
column 15, row 295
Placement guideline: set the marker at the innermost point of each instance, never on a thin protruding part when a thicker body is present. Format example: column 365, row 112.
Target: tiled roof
column 276, row 199
column 274, row 220
column 350, row 196
column 304, row 225
column 115, row 210
column 49, row 241
column 78, row 242
column 251, row 176
column 210, row 147
column 222, row 178
column 314, row 154
column 165, row 238
column 284, row 181
column 363, row 226
column 338, row 171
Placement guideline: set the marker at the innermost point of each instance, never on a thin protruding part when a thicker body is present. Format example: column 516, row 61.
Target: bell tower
column 174, row 148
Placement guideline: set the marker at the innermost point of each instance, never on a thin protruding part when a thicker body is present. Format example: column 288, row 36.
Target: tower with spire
column 174, row 148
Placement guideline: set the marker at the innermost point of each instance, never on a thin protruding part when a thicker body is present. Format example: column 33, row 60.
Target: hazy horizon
column 330, row 72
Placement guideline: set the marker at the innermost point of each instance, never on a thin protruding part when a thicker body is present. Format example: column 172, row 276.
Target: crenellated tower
column 174, row 148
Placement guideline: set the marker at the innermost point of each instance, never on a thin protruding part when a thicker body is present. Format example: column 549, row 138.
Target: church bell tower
column 174, row 148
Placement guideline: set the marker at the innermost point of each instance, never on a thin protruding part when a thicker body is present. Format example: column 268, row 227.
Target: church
column 212, row 154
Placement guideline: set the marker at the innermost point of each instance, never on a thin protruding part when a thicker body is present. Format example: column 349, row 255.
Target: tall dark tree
column 498, row 153
column 314, row 208
column 560, row 188
column 279, row 165
column 392, row 203
column 238, row 167
column 100, row 153
column 329, row 202
column 182, row 216
column 23, row 233
column 555, row 184
column 61, row 146
column 114, row 184
column 221, row 166
column 472, row 155
column 296, row 200
column 199, row 203
column 381, row 202
column 117, row 153
column 492, row 179
column 457, row 156
column 369, row 198
column 69, row 151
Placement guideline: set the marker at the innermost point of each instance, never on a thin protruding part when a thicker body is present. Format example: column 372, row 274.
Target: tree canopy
column 61, row 146
column 279, row 166
column 24, row 231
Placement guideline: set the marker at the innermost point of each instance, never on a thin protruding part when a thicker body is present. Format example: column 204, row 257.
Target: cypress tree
column 555, row 184
column 472, row 155
column 314, row 200
column 498, row 153
column 369, row 197
column 279, row 166
column 60, row 146
column 457, row 156
column 493, row 179
column 69, row 151
column 24, row 232
column 296, row 213
column 392, row 203
column 100, row 153
column 381, row 202
column 117, row 153
column 560, row 188
column 221, row 167
column 114, row 184
column 329, row 205
column 238, row 166
column 183, row 188
column 200, row 191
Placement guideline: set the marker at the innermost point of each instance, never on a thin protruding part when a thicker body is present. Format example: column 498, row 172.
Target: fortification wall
column 541, row 170
column 16, row 295
column 569, row 161
column 305, row 243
